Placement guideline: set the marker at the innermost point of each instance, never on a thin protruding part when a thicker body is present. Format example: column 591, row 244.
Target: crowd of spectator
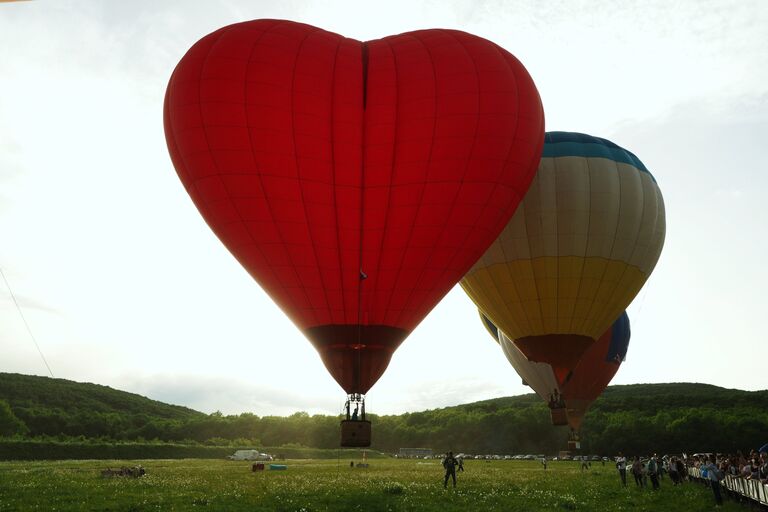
column 712, row 468
column 750, row 467
column 651, row 468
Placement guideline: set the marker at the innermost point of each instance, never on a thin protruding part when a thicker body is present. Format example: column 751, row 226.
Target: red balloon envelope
column 355, row 181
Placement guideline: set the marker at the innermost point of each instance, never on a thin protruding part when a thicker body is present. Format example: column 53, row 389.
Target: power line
column 21, row 314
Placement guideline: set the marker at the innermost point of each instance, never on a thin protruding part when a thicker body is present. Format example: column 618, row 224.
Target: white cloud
column 235, row 394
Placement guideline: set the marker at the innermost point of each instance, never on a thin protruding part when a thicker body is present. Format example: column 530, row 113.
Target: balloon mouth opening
column 356, row 355
column 561, row 351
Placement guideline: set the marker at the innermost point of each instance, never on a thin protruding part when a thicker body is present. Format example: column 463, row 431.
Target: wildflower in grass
column 394, row 488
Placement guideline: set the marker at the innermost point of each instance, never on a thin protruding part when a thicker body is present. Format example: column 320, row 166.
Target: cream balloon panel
column 539, row 376
column 579, row 248
column 593, row 207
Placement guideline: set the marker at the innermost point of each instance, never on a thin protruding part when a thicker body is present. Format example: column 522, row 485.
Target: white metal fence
column 752, row 489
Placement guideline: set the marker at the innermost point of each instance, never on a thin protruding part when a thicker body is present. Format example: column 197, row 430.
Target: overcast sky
column 123, row 284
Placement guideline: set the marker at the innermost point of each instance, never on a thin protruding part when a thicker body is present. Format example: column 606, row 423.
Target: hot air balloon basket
column 559, row 416
column 355, row 433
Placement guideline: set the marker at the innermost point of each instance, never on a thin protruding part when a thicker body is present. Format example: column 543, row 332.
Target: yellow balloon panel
column 525, row 303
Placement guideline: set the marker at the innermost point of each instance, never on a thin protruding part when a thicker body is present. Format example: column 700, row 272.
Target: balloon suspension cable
column 23, row 319
column 359, row 346
column 363, row 276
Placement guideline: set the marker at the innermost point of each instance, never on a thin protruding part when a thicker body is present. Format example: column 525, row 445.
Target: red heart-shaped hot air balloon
column 356, row 181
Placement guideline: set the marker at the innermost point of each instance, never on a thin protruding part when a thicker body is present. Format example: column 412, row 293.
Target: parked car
column 250, row 455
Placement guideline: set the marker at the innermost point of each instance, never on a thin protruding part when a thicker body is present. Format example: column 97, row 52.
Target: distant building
column 415, row 452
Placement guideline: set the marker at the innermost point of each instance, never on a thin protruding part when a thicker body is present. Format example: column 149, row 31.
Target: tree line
column 635, row 419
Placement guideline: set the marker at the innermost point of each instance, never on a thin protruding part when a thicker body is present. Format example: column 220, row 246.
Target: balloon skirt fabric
column 581, row 386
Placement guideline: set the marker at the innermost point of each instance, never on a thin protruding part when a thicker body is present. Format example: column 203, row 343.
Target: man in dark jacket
column 449, row 463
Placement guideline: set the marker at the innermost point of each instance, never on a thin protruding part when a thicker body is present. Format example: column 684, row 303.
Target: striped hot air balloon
column 580, row 246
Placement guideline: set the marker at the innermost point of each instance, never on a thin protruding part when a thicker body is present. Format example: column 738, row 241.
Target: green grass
column 315, row 485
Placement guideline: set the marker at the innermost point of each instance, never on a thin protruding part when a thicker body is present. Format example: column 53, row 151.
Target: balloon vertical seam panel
column 272, row 254
column 421, row 247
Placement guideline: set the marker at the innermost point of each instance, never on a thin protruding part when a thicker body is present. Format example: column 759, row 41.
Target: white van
column 249, row 455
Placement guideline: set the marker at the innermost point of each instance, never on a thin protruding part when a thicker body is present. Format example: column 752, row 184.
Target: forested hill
column 646, row 399
column 652, row 397
column 63, row 406
column 635, row 418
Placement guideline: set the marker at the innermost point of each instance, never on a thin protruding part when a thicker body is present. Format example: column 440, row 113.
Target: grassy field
column 314, row 485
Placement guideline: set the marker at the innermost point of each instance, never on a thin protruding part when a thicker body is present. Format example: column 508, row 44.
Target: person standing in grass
column 449, row 463
column 637, row 472
column 715, row 475
column 653, row 471
column 682, row 470
column 661, row 466
column 621, row 465
column 673, row 474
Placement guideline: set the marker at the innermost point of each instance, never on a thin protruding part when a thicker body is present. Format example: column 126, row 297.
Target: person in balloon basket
column 449, row 463
column 621, row 465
